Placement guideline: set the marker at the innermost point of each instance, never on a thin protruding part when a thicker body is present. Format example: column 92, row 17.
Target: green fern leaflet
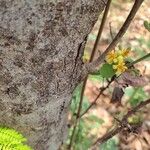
column 12, row 140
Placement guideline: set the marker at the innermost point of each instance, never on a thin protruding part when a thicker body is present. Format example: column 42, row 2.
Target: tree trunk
column 40, row 63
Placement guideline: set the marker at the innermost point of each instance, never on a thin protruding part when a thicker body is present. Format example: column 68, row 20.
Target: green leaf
column 107, row 71
column 147, row 25
column 136, row 95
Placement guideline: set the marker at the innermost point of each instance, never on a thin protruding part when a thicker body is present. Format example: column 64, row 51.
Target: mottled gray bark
column 40, row 64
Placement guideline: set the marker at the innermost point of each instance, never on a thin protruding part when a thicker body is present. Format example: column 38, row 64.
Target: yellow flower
column 111, row 56
column 125, row 52
column 118, row 59
column 120, row 68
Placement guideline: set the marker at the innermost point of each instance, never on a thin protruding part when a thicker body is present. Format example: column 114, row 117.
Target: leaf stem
column 139, row 60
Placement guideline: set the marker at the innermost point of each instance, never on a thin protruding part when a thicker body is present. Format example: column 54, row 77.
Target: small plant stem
column 85, row 80
column 77, row 116
column 135, row 109
column 94, row 49
column 110, row 30
column 95, row 100
column 100, row 30
column 139, row 60
column 72, row 136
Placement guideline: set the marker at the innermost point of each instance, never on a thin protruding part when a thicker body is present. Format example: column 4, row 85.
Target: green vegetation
column 12, row 140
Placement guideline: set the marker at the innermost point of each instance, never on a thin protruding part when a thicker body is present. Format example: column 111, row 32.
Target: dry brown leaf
column 117, row 95
column 135, row 81
column 128, row 78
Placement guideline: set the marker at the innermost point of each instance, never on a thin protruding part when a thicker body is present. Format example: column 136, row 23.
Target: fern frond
column 14, row 147
column 12, row 140
column 11, row 135
column 22, row 147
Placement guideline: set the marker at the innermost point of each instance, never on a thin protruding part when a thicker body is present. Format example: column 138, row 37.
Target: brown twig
column 135, row 109
column 73, row 133
column 106, row 137
column 100, row 93
column 91, row 67
column 123, row 124
column 100, row 30
column 78, row 114
column 91, row 59
column 139, row 60
column 110, row 30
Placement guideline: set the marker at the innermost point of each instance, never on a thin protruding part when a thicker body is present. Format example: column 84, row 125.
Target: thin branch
column 100, row 30
column 124, row 124
column 139, row 60
column 106, row 137
column 135, row 109
column 91, row 67
column 91, row 59
column 110, row 30
column 78, row 114
column 95, row 100
column 94, row 49
column 72, row 136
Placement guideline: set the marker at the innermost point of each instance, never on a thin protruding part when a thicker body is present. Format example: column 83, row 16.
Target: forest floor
column 138, row 38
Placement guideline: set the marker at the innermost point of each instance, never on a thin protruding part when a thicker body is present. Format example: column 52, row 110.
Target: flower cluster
column 117, row 59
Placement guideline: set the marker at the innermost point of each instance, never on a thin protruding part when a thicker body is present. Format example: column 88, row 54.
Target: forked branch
column 123, row 124
column 91, row 67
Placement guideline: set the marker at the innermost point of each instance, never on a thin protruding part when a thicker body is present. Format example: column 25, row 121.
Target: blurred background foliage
column 99, row 119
